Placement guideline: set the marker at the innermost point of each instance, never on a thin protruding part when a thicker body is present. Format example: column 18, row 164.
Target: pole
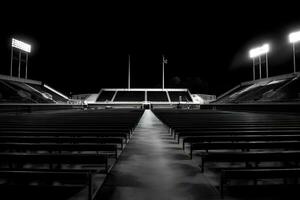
column 259, row 67
column 163, row 72
column 294, row 57
column 19, row 71
column 11, row 60
column 267, row 66
column 26, row 66
column 128, row 71
column 254, row 69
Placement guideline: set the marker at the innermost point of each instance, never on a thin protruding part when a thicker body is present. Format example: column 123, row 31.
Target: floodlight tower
column 23, row 47
column 294, row 38
column 257, row 52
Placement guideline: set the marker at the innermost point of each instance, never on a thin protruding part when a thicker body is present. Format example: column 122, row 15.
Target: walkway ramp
column 154, row 167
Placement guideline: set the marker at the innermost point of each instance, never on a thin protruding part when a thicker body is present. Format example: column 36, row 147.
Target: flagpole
column 128, row 71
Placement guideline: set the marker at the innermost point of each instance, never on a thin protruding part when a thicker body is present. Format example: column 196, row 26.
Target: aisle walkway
column 154, row 167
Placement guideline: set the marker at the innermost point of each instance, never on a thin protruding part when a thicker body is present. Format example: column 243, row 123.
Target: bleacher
column 14, row 92
column 44, row 89
column 129, row 96
column 144, row 95
column 18, row 90
column 26, row 95
column 143, row 98
column 284, row 88
column 180, row 96
column 237, row 149
column 157, row 96
column 106, row 96
column 67, row 155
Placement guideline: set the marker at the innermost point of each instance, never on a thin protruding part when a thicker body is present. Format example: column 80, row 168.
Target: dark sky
column 82, row 47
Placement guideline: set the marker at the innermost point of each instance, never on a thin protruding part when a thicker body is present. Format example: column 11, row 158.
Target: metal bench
column 238, row 138
column 256, row 174
column 246, row 157
column 287, row 145
column 35, row 147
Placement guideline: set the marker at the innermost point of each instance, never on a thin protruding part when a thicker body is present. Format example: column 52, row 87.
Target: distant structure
column 141, row 97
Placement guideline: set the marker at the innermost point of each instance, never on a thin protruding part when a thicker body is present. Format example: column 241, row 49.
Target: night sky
column 82, row 47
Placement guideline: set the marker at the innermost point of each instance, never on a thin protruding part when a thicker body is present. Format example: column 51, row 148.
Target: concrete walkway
column 154, row 167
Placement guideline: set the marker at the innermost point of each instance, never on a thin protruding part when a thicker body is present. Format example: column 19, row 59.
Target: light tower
column 258, row 52
column 294, row 38
column 22, row 47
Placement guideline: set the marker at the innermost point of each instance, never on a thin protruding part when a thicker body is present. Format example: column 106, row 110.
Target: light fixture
column 21, row 45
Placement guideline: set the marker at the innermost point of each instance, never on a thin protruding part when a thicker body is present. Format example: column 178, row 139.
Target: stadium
column 180, row 129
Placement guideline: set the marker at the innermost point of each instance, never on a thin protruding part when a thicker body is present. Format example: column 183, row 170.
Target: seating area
column 284, row 88
column 233, row 148
column 157, row 96
column 106, row 96
column 20, row 93
column 129, row 96
column 73, row 149
column 180, row 96
column 45, row 89
column 138, row 95
column 18, row 90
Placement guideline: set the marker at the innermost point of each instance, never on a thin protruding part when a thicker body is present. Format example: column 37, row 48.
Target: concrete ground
column 154, row 167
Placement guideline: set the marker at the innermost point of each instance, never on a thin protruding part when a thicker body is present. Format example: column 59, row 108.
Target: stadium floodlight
column 22, row 46
column 257, row 52
column 294, row 38
column 265, row 48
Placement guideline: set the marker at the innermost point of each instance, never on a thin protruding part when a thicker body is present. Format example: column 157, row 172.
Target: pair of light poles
column 264, row 50
column 23, row 48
